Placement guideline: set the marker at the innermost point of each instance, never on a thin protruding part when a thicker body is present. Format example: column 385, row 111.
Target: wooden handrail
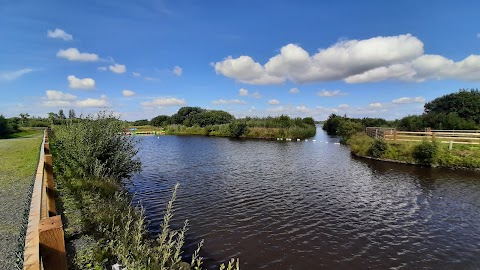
column 44, row 240
column 442, row 136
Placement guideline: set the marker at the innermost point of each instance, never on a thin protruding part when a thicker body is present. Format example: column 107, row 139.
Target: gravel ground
column 17, row 167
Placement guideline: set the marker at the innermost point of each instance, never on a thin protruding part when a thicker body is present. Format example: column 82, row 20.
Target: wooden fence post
column 50, row 187
column 52, row 244
column 394, row 135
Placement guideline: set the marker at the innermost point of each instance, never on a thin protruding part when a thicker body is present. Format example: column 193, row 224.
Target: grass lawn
column 17, row 167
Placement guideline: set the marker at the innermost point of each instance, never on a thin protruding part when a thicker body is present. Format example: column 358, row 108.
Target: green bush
column 425, row 152
column 378, row 148
column 237, row 129
column 95, row 147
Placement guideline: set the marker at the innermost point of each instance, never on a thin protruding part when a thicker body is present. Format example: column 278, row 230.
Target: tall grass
column 102, row 227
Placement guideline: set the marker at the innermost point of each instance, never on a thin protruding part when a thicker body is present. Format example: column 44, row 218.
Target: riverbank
column 425, row 153
column 17, row 167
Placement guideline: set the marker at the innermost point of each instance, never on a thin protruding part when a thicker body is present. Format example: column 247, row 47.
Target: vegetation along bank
column 456, row 111
column 102, row 228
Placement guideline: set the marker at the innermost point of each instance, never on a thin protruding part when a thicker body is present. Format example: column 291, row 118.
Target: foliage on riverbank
column 425, row 153
column 102, row 227
column 197, row 121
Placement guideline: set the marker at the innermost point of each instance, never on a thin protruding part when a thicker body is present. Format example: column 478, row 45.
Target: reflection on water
column 310, row 205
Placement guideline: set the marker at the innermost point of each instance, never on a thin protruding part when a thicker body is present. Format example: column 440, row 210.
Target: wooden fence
column 442, row 136
column 44, row 241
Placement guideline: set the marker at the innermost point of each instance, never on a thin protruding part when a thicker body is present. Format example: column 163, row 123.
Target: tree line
column 455, row 111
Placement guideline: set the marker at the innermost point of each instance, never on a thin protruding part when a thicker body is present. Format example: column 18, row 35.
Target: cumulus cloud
column 60, row 34
column 13, row 75
column 408, row 100
column 273, row 102
column 72, row 54
column 294, row 90
column 136, row 74
column 353, row 61
column 375, row 105
column 343, row 106
column 92, row 103
column 333, row 93
column 60, row 99
column 117, row 68
column 165, row 102
column 256, row 95
column 244, row 69
column 243, row 92
column 230, row 101
column 76, row 83
column 59, row 95
column 128, row 93
column 177, row 71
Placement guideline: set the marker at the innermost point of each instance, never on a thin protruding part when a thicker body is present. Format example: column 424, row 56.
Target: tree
column 4, row 128
column 160, row 121
column 71, row 114
column 61, row 115
column 466, row 103
column 24, row 117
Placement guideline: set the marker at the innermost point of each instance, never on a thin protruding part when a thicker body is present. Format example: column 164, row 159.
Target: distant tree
column 143, row 122
column 71, row 114
column 24, row 117
column 466, row 103
column 61, row 115
column 161, row 120
column 4, row 128
column 237, row 129
column 309, row 121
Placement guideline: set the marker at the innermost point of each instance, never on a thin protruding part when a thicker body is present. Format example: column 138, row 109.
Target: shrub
column 378, row 148
column 94, row 147
column 426, row 152
column 237, row 129
column 360, row 143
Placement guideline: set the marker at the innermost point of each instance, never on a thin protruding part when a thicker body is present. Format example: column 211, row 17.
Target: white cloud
column 243, row 92
column 478, row 35
column 128, row 93
column 59, row 95
column 244, row 69
column 117, row 68
column 59, row 33
column 343, row 106
column 165, row 102
column 408, row 100
column 72, row 54
column 150, row 79
column 231, row 101
column 177, row 71
column 12, row 75
column 102, row 68
column 354, row 61
column 91, row 102
column 256, row 95
column 136, row 74
column 59, row 99
column 273, row 102
column 76, row 83
column 294, row 90
column 333, row 93
column 375, row 105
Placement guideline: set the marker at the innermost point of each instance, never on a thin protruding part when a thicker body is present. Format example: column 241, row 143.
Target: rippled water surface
column 310, row 205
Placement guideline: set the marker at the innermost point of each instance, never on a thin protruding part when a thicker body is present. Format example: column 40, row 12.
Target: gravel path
column 17, row 167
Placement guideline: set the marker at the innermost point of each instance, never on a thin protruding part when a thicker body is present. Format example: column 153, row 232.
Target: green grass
column 460, row 156
column 23, row 133
column 17, row 167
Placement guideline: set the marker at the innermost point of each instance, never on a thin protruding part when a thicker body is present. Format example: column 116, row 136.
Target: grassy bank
column 102, row 228
column 425, row 153
column 17, row 167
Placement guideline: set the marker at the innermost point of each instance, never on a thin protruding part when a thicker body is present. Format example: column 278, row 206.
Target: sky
column 140, row 59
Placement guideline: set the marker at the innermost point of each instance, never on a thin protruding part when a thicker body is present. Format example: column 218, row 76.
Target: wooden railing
column 441, row 136
column 44, row 241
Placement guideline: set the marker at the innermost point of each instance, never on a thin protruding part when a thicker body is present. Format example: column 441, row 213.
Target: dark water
column 310, row 205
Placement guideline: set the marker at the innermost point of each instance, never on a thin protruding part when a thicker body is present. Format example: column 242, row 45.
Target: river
column 309, row 205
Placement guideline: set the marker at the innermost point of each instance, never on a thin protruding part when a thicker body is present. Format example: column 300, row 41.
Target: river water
column 309, row 205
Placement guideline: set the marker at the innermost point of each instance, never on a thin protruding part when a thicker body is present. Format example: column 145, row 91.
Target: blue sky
column 256, row 58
